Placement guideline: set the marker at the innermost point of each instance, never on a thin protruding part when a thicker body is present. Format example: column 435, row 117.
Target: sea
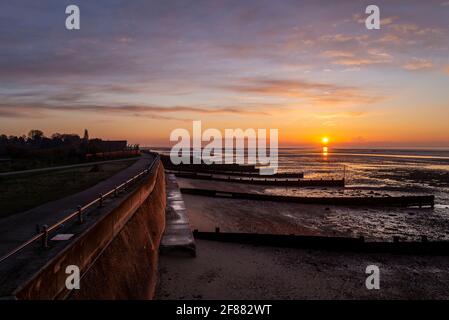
column 371, row 172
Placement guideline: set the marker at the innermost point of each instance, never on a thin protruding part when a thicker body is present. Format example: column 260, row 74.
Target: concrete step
column 178, row 235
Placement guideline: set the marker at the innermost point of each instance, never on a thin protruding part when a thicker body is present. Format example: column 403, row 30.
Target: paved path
column 18, row 228
column 86, row 164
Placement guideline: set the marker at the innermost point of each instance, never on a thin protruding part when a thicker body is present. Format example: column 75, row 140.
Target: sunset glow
column 288, row 65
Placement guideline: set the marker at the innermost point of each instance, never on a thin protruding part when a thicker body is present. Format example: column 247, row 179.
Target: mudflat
column 235, row 271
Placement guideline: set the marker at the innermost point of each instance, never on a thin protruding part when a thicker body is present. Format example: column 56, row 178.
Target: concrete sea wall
column 117, row 255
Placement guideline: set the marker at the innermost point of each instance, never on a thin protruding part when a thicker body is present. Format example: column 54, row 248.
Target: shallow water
column 369, row 173
column 413, row 171
column 377, row 172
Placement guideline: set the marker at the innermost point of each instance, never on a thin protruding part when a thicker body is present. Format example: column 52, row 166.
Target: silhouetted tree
column 35, row 135
column 60, row 147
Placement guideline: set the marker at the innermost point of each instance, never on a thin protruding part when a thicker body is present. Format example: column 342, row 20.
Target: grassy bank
column 31, row 164
column 23, row 192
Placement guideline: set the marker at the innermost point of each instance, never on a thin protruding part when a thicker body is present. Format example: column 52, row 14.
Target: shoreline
column 240, row 272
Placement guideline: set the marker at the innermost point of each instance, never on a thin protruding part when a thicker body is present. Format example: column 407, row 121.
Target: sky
column 138, row 69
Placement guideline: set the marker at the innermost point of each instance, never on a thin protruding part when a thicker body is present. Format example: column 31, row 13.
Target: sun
column 325, row 140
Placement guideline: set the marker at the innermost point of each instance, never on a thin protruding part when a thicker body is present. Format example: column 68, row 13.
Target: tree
column 56, row 136
column 35, row 135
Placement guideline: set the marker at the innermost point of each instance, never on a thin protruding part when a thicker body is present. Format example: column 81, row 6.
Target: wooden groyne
column 272, row 180
column 402, row 201
column 329, row 243
column 203, row 167
column 281, row 175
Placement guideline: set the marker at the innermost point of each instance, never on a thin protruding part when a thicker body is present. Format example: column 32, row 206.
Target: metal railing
column 42, row 233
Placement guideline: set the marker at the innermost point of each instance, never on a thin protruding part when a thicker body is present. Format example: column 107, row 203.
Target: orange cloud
column 340, row 115
column 383, row 22
column 418, row 64
column 321, row 94
column 413, row 29
column 343, row 38
column 337, row 54
column 349, row 58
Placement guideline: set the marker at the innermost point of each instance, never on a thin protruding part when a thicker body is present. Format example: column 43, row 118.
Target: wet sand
column 237, row 271
column 375, row 224
column 234, row 271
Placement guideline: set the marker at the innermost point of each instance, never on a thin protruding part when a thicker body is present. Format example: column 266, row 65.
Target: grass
column 30, row 164
column 22, row 192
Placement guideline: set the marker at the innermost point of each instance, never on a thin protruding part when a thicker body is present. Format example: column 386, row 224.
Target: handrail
column 43, row 234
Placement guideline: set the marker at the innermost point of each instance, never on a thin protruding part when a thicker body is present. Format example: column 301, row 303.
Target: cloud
column 357, row 58
column 390, row 38
column 13, row 114
column 340, row 115
column 383, row 22
column 337, row 54
column 160, row 109
column 416, row 64
column 358, row 61
column 156, row 112
column 344, row 38
column 414, row 29
column 387, row 21
column 314, row 92
column 168, row 60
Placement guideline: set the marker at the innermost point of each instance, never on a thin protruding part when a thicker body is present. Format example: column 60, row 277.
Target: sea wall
column 117, row 255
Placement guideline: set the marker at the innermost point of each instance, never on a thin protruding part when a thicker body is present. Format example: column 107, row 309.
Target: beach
column 243, row 271
column 396, row 173
column 240, row 272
